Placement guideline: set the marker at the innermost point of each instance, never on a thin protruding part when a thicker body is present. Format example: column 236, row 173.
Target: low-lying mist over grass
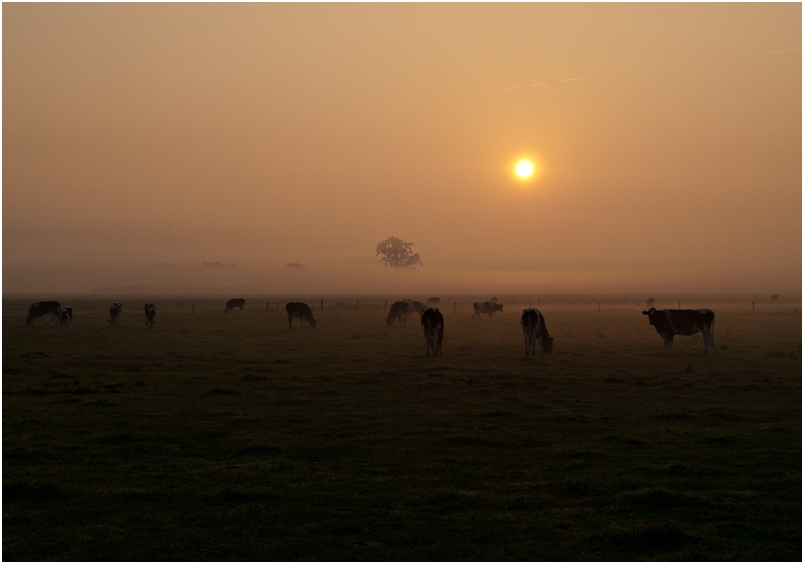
column 227, row 436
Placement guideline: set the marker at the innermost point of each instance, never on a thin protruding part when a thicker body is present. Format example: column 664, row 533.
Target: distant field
column 229, row 437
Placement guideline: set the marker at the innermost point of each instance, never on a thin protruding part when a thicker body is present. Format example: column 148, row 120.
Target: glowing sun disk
column 524, row 169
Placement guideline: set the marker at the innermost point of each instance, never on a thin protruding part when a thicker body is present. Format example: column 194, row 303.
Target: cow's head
column 496, row 307
column 650, row 314
column 547, row 344
column 311, row 320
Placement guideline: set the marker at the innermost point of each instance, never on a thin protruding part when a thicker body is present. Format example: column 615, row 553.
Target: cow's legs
column 709, row 339
column 290, row 321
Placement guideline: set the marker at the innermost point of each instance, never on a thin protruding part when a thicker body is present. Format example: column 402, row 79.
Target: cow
column 433, row 326
column 399, row 310
column 486, row 307
column 433, row 301
column 300, row 310
column 534, row 329
column 234, row 303
column 687, row 322
column 150, row 314
column 65, row 317
column 114, row 313
column 40, row 309
column 414, row 307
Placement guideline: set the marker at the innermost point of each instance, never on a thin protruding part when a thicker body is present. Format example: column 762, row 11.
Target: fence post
column 598, row 308
column 267, row 306
column 193, row 307
column 357, row 304
column 322, row 305
column 277, row 306
column 753, row 308
column 679, row 305
column 385, row 309
column 454, row 307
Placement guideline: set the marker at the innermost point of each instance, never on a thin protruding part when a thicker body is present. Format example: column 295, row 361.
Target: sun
column 524, row 169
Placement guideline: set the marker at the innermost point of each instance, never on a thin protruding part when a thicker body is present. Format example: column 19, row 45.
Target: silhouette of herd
column 668, row 322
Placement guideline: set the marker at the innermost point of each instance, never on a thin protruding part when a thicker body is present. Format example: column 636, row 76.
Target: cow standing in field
column 534, row 329
column 687, row 322
column 433, row 301
column 65, row 317
column 40, row 309
column 150, row 314
column 433, row 326
column 486, row 307
column 414, row 307
column 114, row 313
column 399, row 310
column 235, row 303
column 300, row 310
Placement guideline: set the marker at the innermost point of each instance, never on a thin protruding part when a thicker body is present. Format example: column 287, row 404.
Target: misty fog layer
column 141, row 141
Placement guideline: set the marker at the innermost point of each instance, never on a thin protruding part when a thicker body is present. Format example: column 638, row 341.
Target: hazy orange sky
column 667, row 138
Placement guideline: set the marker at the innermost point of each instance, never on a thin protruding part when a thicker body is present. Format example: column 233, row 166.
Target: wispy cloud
column 537, row 84
column 775, row 52
column 533, row 84
column 574, row 79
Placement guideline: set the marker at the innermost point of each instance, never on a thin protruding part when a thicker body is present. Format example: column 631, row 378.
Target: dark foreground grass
column 229, row 437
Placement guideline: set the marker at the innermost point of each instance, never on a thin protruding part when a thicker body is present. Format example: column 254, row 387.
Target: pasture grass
column 229, row 437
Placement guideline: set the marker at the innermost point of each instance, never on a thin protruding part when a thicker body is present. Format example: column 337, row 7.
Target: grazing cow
column 486, row 307
column 150, row 314
column 433, row 301
column 687, row 322
column 65, row 317
column 433, row 326
column 231, row 304
column 534, row 329
column 114, row 313
column 40, row 309
column 399, row 310
column 300, row 310
column 414, row 307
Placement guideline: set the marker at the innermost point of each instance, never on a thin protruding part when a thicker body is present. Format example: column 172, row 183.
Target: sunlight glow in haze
column 524, row 169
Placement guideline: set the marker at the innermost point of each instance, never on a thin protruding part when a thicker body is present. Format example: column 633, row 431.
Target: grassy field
column 227, row 436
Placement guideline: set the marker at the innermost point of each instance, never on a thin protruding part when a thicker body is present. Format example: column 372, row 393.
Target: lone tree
column 396, row 253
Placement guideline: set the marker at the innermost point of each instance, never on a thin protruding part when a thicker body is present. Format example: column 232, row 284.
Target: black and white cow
column 150, row 314
column 399, row 310
column 486, row 307
column 114, row 313
column 433, row 326
column 65, row 317
column 300, row 310
column 687, row 322
column 40, row 309
column 534, row 329
column 235, row 303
